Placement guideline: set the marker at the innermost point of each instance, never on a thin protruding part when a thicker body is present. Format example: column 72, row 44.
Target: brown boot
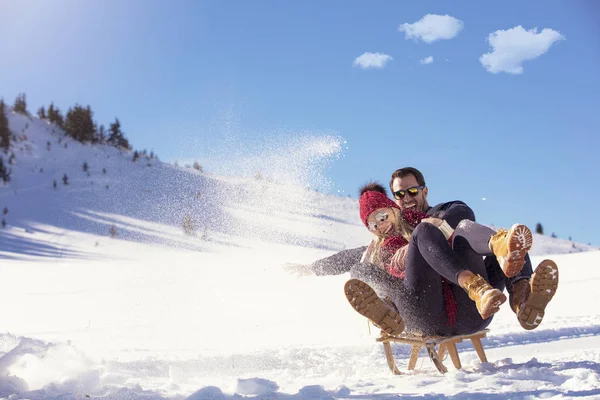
column 365, row 301
column 510, row 248
column 532, row 296
column 486, row 298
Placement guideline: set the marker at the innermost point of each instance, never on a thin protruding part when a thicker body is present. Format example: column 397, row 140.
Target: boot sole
column 544, row 283
column 519, row 243
column 365, row 301
column 492, row 300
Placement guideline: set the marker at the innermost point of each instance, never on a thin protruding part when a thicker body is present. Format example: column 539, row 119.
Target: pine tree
column 116, row 137
column 539, row 229
column 4, row 129
column 41, row 113
column 55, row 116
column 20, row 104
column 189, row 226
column 4, row 171
column 79, row 124
column 95, row 137
column 114, row 133
column 51, row 111
column 101, row 134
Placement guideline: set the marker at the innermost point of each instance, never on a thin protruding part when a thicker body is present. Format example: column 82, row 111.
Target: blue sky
column 199, row 79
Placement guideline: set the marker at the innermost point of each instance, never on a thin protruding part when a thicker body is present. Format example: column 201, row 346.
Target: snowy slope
column 155, row 313
column 148, row 200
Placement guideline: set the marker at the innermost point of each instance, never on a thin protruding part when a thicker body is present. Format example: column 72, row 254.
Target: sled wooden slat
column 451, row 346
column 479, row 348
column 414, row 356
column 444, row 344
column 442, row 351
column 389, row 356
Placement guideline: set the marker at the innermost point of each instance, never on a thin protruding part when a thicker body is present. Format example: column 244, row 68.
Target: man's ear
column 425, row 191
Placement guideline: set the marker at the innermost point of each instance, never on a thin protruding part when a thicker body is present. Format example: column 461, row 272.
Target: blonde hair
column 373, row 252
column 402, row 227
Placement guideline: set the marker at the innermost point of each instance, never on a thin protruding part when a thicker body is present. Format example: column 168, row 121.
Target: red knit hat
column 371, row 201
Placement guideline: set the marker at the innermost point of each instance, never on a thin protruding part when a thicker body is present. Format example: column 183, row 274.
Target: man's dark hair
column 372, row 187
column 402, row 172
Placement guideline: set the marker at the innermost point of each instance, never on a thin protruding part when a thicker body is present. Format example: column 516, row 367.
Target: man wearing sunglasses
column 410, row 191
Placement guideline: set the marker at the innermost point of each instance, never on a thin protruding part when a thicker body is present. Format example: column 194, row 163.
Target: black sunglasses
column 411, row 191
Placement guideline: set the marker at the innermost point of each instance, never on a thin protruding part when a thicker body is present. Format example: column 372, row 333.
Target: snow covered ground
column 153, row 313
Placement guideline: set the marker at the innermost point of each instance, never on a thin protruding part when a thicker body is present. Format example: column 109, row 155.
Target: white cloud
column 432, row 27
column 513, row 46
column 372, row 60
column 427, row 60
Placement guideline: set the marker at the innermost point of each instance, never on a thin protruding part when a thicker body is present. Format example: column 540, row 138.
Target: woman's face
column 382, row 222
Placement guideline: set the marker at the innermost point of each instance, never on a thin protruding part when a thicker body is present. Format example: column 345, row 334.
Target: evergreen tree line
column 5, row 134
column 5, row 171
column 78, row 123
column 4, row 143
column 4, row 130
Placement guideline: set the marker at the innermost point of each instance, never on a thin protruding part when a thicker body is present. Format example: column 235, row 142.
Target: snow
column 154, row 314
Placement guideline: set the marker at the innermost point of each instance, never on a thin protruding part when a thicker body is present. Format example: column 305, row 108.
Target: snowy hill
column 155, row 313
column 147, row 200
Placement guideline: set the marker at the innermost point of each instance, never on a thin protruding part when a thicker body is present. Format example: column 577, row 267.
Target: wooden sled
column 444, row 344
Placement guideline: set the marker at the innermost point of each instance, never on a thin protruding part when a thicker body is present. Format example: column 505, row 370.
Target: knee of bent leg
column 424, row 228
column 362, row 271
column 465, row 224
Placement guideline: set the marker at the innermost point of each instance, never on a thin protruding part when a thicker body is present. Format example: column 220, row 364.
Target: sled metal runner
column 443, row 344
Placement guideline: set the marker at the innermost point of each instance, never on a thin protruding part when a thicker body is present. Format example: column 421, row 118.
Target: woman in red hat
column 425, row 286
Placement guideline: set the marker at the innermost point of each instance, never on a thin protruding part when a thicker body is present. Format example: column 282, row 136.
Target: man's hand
column 441, row 225
column 434, row 221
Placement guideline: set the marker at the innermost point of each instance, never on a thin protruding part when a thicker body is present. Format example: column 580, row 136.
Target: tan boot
column 365, row 301
column 510, row 248
column 535, row 294
column 486, row 298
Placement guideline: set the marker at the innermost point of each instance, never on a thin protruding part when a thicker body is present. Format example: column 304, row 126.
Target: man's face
column 381, row 222
column 409, row 181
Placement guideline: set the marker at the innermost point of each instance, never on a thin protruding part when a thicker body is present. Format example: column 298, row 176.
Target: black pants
column 476, row 236
column 419, row 298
